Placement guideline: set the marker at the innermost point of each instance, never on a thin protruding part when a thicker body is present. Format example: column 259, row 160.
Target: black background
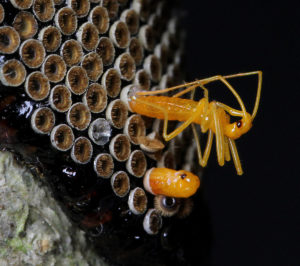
column 255, row 217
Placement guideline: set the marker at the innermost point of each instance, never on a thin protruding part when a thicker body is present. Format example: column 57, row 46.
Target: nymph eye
column 239, row 124
column 183, row 176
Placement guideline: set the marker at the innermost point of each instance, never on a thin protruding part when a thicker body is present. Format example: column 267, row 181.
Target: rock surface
column 33, row 228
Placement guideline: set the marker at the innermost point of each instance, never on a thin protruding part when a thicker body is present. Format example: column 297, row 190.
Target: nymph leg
column 230, row 110
column 235, row 156
column 203, row 160
column 259, row 73
column 147, row 93
column 223, row 79
column 227, row 151
column 192, row 88
column 227, row 84
column 219, row 136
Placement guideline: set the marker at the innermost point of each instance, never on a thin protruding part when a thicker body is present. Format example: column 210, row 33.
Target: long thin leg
column 203, row 160
column 192, row 88
column 188, row 89
column 258, row 93
column 227, row 84
column 229, row 110
column 219, row 136
column 227, row 150
column 147, row 93
column 190, row 85
column 235, row 157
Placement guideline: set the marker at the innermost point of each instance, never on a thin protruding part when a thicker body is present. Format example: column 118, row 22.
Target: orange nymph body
column 171, row 183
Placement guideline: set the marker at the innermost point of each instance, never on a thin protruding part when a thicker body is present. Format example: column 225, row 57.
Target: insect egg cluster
column 71, row 61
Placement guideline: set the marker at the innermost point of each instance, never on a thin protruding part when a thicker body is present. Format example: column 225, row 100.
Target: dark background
column 255, row 217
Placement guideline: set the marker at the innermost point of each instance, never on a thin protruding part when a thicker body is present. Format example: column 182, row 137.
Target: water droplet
column 100, row 131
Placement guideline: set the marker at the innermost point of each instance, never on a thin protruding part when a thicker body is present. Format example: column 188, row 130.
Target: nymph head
column 238, row 128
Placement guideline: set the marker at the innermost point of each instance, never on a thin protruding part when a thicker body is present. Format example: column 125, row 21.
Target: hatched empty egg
column 131, row 18
column 25, row 24
column 50, row 37
column 152, row 222
column 43, row 9
column 60, row 98
column 153, row 67
column 137, row 163
column 137, row 201
column 135, row 128
column 32, row 53
column 62, row 137
column 161, row 51
column 136, row 50
column 9, row 40
column 126, row 93
column 82, row 150
column 146, row 36
column 95, row 98
column 111, row 81
column 54, row 67
column 37, row 86
column 81, row 7
column 119, row 34
column 92, row 63
column 125, row 64
column 79, row 116
column 104, row 165
column 12, row 73
column 112, row 7
column 100, row 18
column 120, row 147
column 42, row 120
column 106, row 50
column 77, row 80
column 71, row 51
column 66, row 20
column 120, row 183
column 87, row 35
column 100, row 131
column 142, row 80
column 117, row 113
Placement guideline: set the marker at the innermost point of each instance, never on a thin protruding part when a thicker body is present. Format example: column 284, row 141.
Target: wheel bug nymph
column 213, row 117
